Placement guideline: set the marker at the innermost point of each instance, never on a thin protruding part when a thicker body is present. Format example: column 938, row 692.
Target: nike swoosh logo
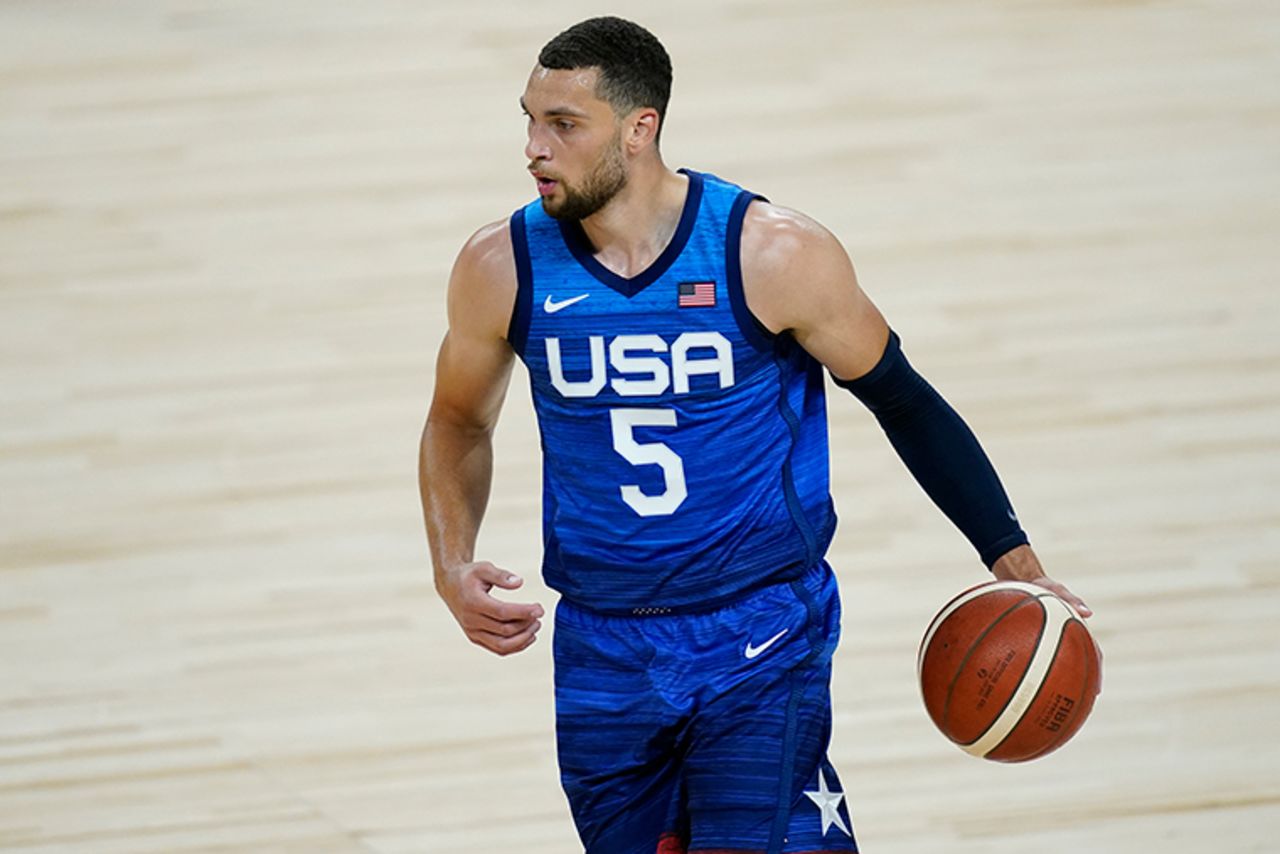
column 753, row 651
column 551, row 306
column 1013, row 515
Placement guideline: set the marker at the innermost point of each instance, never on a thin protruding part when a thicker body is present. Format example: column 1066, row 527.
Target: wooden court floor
column 225, row 229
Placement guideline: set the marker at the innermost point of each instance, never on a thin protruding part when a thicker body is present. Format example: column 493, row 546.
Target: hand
column 500, row 627
column 1021, row 564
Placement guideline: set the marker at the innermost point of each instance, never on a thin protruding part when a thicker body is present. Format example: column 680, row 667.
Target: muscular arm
column 455, row 460
column 799, row 280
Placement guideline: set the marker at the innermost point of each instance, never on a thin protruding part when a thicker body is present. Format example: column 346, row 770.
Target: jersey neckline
column 575, row 238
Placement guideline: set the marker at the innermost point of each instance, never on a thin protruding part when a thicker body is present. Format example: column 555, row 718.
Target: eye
column 564, row 124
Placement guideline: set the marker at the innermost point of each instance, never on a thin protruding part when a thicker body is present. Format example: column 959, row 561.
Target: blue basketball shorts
column 703, row 732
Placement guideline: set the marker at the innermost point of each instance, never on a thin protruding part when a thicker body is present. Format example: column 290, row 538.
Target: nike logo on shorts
column 752, row 651
column 550, row 306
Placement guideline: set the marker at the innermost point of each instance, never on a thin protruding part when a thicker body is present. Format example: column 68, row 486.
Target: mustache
column 535, row 167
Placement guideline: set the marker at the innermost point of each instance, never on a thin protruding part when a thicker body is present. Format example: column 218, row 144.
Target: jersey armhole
column 518, row 327
column 752, row 329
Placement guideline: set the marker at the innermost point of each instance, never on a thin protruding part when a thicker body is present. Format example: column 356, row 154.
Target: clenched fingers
column 479, row 601
column 501, row 628
column 504, row 612
column 506, row 645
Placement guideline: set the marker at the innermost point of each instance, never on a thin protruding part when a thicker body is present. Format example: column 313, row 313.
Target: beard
column 605, row 180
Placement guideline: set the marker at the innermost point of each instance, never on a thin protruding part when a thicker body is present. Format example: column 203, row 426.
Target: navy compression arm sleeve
column 940, row 451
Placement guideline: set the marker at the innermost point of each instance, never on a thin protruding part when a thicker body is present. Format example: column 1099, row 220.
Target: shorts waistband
column 786, row 576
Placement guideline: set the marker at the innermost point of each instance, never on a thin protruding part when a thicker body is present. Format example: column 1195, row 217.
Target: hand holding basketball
column 1021, row 564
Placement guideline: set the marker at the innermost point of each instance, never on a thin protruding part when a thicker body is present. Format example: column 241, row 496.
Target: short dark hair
column 635, row 70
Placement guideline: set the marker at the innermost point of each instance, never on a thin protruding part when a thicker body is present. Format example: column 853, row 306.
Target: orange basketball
column 1009, row 671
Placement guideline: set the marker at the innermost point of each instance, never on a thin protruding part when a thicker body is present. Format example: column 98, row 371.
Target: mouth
column 546, row 186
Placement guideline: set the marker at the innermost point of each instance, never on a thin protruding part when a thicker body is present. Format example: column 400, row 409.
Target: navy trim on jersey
column 518, row 328
column 580, row 245
column 551, row 541
column 794, row 506
column 752, row 329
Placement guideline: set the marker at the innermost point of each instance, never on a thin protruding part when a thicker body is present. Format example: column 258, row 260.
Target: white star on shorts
column 829, row 803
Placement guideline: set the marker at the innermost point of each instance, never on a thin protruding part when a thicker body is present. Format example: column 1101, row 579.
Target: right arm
column 799, row 279
column 455, row 460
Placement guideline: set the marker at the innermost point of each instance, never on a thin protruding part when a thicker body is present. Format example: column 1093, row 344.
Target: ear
column 641, row 129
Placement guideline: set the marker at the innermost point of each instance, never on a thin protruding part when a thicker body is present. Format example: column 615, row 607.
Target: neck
column 630, row 232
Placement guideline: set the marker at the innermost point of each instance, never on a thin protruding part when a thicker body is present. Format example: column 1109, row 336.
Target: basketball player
column 676, row 329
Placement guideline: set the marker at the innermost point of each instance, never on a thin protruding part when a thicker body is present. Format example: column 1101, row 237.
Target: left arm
column 798, row 279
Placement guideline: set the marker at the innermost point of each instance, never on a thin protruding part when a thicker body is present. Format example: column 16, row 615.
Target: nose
column 536, row 148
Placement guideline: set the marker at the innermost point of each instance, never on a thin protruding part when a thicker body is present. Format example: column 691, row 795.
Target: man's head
column 635, row 70
column 595, row 102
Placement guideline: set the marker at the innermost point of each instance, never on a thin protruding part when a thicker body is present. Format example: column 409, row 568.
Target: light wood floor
column 224, row 234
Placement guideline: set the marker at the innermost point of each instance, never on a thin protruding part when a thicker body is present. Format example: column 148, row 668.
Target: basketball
column 1008, row 671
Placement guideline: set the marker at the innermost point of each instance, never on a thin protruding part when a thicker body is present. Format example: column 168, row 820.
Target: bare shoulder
column 790, row 262
column 773, row 232
column 487, row 262
column 482, row 286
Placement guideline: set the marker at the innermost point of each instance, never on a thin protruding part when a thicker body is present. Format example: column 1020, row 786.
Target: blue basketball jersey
column 684, row 446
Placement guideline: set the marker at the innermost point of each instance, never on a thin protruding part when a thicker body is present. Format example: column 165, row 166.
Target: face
column 575, row 142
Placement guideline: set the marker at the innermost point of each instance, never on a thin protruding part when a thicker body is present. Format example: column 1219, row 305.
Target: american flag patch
column 696, row 294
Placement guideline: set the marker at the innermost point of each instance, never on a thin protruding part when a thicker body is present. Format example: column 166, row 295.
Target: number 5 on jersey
column 623, row 423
